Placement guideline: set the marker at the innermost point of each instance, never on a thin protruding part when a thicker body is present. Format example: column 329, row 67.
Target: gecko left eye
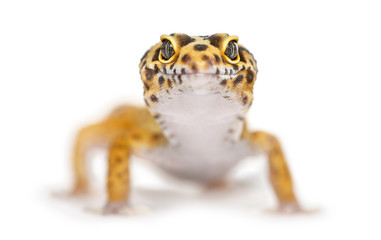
column 167, row 50
column 232, row 50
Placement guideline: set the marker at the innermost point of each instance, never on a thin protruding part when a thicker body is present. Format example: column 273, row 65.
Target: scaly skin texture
column 191, row 59
column 130, row 130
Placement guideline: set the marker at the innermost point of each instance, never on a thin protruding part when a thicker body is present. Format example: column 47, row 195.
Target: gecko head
column 198, row 65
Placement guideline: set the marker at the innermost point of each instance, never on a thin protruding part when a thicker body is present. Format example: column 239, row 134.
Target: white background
column 64, row 64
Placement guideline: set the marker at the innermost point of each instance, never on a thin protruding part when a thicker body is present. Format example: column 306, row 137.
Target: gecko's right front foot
column 290, row 208
column 79, row 190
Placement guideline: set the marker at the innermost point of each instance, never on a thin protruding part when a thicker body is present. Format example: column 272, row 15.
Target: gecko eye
column 229, row 48
column 232, row 50
column 167, row 50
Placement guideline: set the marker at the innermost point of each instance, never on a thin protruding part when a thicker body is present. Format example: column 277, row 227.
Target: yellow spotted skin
column 131, row 130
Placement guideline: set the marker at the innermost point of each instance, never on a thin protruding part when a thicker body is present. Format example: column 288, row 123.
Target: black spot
column 235, row 67
column 156, row 55
column 240, row 118
column 226, row 71
column 237, row 80
column 249, row 77
column 218, row 59
column 174, row 71
column 194, row 67
column 180, row 80
column 149, row 74
column 184, row 39
column 161, row 81
column 231, row 71
column 244, row 99
column 173, row 64
column 241, row 57
column 156, row 136
column 169, row 82
column 204, row 37
column 156, row 68
column 185, row 58
column 144, row 56
column 251, row 62
column 183, row 71
column 215, row 40
column 200, row 47
column 164, row 69
column 223, row 82
column 243, row 68
column 146, row 86
column 118, row 159
column 205, row 58
column 154, row 98
column 218, row 71
column 136, row 136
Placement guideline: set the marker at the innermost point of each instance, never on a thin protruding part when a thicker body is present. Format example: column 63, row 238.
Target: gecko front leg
column 280, row 176
column 126, row 132
column 118, row 175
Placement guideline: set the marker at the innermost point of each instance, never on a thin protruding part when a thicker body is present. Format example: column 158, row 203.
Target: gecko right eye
column 167, row 50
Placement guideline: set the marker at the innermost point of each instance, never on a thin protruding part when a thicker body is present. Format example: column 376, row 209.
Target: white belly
column 203, row 129
column 202, row 164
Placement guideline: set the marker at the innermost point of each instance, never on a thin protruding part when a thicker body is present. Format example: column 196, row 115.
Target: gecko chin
column 198, row 93
column 203, row 83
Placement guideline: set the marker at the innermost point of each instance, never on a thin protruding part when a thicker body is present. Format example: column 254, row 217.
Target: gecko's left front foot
column 74, row 193
column 121, row 208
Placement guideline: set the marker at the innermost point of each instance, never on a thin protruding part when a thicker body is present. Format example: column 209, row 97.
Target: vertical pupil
column 232, row 50
column 167, row 49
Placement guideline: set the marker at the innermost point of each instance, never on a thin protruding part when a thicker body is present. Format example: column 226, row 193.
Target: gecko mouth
column 200, row 75
column 227, row 72
column 182, row 79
